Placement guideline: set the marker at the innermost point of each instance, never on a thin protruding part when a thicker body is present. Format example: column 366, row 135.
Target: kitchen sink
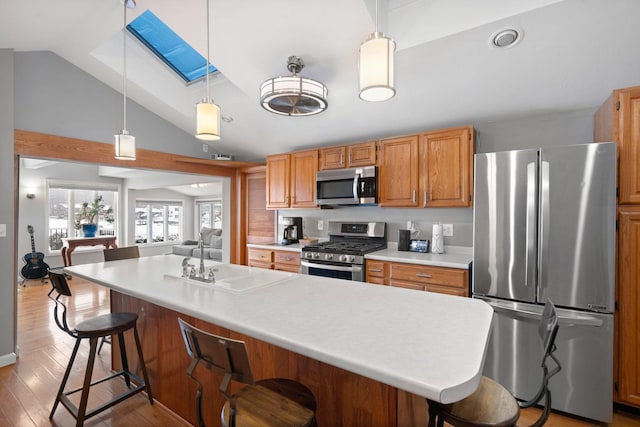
column 238, row 278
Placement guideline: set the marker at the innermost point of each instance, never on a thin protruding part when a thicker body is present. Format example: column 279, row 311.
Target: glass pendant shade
column 376, row 68
column 125, row 146
column 207, row 120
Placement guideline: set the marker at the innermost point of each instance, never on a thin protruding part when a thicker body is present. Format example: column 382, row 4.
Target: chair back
column 60, row 286
column 222, row 355
column 126, row 252
column 548, row 328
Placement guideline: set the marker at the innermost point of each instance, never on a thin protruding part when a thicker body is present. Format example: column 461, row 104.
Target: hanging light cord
column 124, row 67
column 207, row 69
column 376, row 16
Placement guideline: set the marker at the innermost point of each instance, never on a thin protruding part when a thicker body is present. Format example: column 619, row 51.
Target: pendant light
column 125, row 143
column 376, row 66
column 207, row 113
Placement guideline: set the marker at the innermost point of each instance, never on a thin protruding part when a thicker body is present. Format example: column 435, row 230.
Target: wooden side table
column 70, row 244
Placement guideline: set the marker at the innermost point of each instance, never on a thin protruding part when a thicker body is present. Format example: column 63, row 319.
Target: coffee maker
column 289, row 230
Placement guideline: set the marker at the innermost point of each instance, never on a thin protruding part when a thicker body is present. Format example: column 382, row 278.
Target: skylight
column 169, row 47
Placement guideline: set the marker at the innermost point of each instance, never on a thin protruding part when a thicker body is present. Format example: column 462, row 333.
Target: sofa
column 212, row 239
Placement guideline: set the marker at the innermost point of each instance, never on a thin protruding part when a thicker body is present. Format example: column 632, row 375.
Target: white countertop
column 296, row 247
column 426, row 343
column 453, row 257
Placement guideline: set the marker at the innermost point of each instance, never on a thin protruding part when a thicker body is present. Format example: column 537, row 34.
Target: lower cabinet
column 452, row 281
column 274, row 259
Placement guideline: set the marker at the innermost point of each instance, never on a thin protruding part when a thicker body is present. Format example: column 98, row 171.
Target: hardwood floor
column 27, row 388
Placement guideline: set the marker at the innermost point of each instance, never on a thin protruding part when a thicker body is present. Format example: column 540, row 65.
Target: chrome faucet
column 201, row 247
column 189, row 270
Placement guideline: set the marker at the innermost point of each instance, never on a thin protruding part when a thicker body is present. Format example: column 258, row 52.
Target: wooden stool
column 94, row 329
column 270, row 402
column 492, row 405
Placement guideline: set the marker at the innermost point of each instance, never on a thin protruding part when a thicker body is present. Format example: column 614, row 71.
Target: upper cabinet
column 446, row 159
column 291, row 180
column 349, row 156
column 618, row 120
column 432, row 169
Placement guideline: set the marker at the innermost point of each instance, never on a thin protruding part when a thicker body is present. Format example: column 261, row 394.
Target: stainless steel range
column 342, row 257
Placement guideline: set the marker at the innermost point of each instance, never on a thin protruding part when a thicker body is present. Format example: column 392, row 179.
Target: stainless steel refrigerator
column 544, row 227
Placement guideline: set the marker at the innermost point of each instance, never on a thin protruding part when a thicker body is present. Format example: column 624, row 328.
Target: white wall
column 7, row 207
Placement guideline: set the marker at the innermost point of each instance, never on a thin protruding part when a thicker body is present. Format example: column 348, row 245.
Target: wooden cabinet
column 628, row 301
column 291, row 180
column 349, row 156
column 453, row 281
column 278, row 178
column 377, row 272
column 446, row 159
column 274, row 259
column 433, row 169
column 618, row 120
column 262, row 258
column 286, row 261
column 398, row 172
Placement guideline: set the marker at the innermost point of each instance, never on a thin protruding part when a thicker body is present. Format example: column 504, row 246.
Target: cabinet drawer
column 407, row 285
column 286, row 257
column 376, row 269
column 257, row 264
column 291, row 268
column 451, row 277
column 260, row 255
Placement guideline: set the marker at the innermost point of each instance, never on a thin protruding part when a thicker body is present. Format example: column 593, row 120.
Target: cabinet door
column 332, row 158
column 286, row 261
column 278, row 170
column 261, row 258
column 629, row 145
column 453, row 281
column 304, row 165
column 628, row 295
column 363, row 154
column 398, row 172
column 446, row 161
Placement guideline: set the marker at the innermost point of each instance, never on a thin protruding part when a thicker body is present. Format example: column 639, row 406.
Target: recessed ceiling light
column 505, row 38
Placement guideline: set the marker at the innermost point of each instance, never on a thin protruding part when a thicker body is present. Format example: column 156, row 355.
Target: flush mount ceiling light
column 207, row 113
column 376, row 66
column 293, row 95
column 125, row 143
column 505, row 38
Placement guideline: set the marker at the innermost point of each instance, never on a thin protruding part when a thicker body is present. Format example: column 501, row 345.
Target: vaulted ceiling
column 574, row 52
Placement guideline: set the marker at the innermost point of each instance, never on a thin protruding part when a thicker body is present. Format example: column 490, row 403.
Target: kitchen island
column 353, row 344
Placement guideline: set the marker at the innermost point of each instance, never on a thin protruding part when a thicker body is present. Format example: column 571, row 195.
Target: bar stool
column 271, row 402
column 94, row 329
column 492, row 405
column 115, row 254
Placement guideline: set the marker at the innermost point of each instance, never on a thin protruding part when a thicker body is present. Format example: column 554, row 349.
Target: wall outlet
column 447, row 230
column 320, row 224
column 3, row 230
column 205, row 148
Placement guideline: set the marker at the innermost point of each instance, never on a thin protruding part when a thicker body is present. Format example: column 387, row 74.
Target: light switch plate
column 447, row 230
column 3, row 230
column 320, row 224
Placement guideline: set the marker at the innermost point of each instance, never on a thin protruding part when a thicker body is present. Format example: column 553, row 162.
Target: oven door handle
column 354, row 268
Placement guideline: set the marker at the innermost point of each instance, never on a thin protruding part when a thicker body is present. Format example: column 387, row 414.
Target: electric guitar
column 35, row 268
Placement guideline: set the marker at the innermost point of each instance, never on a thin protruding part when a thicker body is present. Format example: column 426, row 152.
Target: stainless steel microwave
column 352, row 186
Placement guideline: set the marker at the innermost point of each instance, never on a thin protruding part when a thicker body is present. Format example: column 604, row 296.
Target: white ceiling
column 574, row 52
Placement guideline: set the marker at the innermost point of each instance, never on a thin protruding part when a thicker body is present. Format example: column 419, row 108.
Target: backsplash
column 396, row 219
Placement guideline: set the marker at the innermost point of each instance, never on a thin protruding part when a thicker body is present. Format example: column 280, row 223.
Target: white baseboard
column 7, row 359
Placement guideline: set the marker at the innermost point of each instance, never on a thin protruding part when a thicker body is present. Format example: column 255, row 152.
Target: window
column 169, row 47
column 65, row 201
column 209, row 213
column 158, row 221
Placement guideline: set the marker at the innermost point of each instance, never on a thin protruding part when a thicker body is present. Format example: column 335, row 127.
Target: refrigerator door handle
column 529, row 261
column 544, row 228
column 518, row 311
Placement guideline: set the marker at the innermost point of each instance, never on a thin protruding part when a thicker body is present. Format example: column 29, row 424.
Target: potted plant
column 87, row 217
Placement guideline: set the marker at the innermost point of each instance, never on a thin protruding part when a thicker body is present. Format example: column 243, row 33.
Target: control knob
column 328, row 256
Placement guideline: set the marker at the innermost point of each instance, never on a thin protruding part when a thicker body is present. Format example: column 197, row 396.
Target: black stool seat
column 106, row 324
column 256, row 403
column 94, row 329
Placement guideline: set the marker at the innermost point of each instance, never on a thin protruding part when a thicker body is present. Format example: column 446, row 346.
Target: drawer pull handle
column 375, row 270
column 425, row 275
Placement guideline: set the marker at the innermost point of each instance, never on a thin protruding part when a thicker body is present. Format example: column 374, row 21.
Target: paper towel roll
column 437, row 242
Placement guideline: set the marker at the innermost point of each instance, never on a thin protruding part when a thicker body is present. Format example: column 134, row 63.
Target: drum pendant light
column 376, row 66
column 207, row 113
column 125, row 143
